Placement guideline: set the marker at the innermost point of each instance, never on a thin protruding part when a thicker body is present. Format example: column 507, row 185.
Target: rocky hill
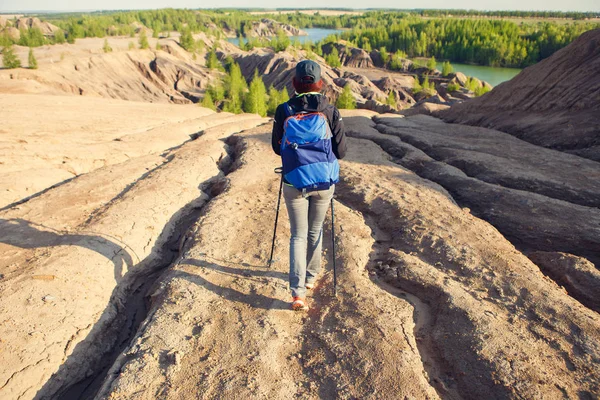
column 555, row 103
column 13, row 27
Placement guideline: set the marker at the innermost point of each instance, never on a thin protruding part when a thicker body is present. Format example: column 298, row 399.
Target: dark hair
column 307, row 87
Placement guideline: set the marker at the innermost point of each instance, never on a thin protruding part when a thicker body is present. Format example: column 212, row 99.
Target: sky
column 89, row 5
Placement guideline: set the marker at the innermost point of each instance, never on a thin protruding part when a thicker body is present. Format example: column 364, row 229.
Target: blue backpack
column 306, row 151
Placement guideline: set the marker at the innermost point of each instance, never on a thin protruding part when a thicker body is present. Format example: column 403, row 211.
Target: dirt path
column 433, row 302
column 237, row 336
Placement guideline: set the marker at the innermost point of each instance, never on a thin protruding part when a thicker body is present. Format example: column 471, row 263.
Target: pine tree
column 391, row 100
column 10, row 59
column 187, row 40
column 32, row 61
column 283, row 95
column 208, row 101
column 235, row 87
column 385, row 57
column 447, row 68
column 217, row 91
column 106, row 47
column 333, row 58
column 255, row 99
column 273, row 102
column 212, row 61
column 417, row 88
column 431, row 64
column 346, row 100
column 143, row 40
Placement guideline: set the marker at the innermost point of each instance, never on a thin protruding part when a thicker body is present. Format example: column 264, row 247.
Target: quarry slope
column 146, row 278
column 554, row 103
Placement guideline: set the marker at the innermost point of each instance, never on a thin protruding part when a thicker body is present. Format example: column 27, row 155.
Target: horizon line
column 91, row 10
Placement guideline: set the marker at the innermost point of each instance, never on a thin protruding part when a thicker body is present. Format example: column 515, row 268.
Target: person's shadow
column 27, row 235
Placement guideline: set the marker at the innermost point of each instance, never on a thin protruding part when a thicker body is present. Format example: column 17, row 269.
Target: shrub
column 472, row 84
column 31, row 60
column 447, row 68
column 10, row 59
column 143, row 40
column 481, row 90
column 346, row 100
column 333, row 58
column 208, row 101
column 59, row 37
column 106, row 47
column 453, row 87
column 391, row 100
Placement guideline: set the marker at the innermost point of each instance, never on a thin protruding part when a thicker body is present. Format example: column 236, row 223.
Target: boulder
column 350, row 56
column 269, row 27
column 461, row 78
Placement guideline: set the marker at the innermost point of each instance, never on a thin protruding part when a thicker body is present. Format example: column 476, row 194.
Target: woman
column 310, row 171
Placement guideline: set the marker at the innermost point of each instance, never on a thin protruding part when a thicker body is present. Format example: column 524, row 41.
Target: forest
column 453, row 35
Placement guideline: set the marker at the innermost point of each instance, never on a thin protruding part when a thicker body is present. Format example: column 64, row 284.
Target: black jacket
column 312, row 103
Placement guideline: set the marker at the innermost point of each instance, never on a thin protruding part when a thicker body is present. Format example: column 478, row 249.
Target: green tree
column 346, row 99
column 472, row 84
column 31, row 60
column 106, row 47
column 59, row 37
column 281, row 41
column 391, row 100
column 447, row 68
column 431, row 64
column 333, row 58
column 453, row 87
column 217, row 91
column 417, row 88
column 187, row 40
column 212, row 61
column 273, row 102
column 428, row 88
column 208, row 101
column 143, row 40
column 235, row 87
column 255, row 100
column 481, row 90
column 385, row 57
column 10, row 59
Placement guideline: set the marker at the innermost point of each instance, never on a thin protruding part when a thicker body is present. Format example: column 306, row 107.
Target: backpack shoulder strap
column 289, row 111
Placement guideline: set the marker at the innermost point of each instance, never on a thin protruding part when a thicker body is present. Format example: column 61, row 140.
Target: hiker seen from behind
column 308, row 134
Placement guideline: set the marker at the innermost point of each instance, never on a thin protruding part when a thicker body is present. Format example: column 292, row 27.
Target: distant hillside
column 555, row 103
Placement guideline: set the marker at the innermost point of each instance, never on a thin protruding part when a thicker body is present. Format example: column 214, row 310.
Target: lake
column 492, row 75
column 314, row 35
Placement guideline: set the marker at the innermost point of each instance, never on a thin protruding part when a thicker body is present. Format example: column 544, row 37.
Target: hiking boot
column 299, row 304
column 310, row 285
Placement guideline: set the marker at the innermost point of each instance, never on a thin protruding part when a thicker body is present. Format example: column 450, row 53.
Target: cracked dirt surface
column 151, row 281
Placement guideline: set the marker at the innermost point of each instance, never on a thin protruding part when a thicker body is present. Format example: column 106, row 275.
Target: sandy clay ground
column 134, row 240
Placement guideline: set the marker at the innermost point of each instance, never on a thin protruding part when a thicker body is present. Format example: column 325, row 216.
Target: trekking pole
column 333, row 244
column 278, row 170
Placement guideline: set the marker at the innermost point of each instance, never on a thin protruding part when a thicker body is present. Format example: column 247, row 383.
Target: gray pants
column 307, row 213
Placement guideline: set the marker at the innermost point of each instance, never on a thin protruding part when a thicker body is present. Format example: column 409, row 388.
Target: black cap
column 308, row 71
